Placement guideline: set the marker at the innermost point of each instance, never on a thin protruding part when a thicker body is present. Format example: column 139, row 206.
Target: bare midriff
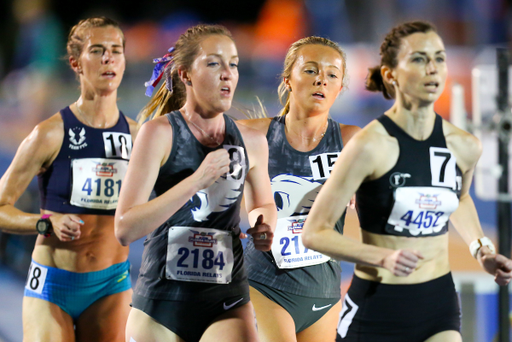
column 434, row 265
column 95, row 250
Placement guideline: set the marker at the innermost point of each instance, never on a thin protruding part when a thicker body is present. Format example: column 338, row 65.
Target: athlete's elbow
column 309, row 239
column 122, row 238
column 121, row 232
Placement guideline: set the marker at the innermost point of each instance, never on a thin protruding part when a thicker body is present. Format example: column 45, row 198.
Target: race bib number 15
column 322, row 164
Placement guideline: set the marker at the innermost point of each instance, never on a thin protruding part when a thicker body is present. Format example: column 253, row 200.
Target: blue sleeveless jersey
column 86, row 176
column 296, row 179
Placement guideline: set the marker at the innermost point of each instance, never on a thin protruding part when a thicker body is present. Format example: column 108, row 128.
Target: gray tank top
column 215, row 207
column 293, row 174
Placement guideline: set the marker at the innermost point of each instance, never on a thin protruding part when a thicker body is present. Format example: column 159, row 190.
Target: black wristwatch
column 44, row 226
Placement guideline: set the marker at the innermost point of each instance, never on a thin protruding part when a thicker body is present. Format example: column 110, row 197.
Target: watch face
column 42, row 226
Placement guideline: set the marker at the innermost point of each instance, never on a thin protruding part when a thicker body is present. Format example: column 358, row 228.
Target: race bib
column 97, row 182
column 421, row 211
column 117, row 144
column 201, row 255
column 287, row 247
column 36, row 278
column 322, row 164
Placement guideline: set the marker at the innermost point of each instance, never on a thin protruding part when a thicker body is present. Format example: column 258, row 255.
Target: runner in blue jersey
column 412, row 171
column 192, row 284
column 295, row 290
column 78, row 286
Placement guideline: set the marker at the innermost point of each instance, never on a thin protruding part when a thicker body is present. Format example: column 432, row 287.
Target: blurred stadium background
column 35, row 82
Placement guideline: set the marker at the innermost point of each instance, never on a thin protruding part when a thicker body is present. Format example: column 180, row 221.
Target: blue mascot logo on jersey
column 294, row 195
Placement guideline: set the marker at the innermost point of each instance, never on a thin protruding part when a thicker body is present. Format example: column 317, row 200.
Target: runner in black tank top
column 78, row 286
column 412, row 171
column 193, row 284
column 296, row 291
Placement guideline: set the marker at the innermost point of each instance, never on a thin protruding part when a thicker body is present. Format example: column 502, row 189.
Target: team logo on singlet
column 77, row 138
column 428, row 201
column 398, row 179
column 294, row 195
column 226, row 190
column 202, row 239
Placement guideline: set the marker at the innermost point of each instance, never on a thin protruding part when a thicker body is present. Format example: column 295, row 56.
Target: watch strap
column 47, row 217
column 475, row 246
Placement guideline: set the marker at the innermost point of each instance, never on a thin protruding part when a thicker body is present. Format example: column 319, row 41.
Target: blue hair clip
column 158, row 71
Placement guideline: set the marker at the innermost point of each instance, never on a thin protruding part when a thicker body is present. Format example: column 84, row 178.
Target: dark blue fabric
column 55, row 182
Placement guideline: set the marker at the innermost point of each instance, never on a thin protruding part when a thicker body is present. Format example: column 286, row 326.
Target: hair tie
column 158, row 71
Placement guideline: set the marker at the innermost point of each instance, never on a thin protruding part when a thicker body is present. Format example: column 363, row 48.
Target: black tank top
column 416, row 197
column 86, row 176
column 215, row 207
column 296, row 179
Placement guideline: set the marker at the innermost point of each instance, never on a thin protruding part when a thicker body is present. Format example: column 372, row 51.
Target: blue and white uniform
column 84, row 178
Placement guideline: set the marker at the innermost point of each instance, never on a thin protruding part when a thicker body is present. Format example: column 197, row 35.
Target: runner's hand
column 402, row 262
column 262, row 235
column 498, row 265
column 214, row 165
column 66, row 227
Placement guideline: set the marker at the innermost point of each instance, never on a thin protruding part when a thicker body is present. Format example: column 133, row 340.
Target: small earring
column 393, row 83
column 189, row 83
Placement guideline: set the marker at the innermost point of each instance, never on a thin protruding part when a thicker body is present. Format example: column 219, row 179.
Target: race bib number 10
column 202, row 255
column 97, row 182
column 117, row 144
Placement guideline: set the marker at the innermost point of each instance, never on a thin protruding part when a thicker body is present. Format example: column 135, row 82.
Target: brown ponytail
column 389, row 53
column 184, row 54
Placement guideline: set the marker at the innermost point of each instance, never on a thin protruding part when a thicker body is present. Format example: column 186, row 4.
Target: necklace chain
column 203, row 131
column 84, row 117
column 314, row 138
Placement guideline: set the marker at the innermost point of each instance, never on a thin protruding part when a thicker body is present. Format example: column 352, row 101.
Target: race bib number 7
column 97, row 182
column 202, row 255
